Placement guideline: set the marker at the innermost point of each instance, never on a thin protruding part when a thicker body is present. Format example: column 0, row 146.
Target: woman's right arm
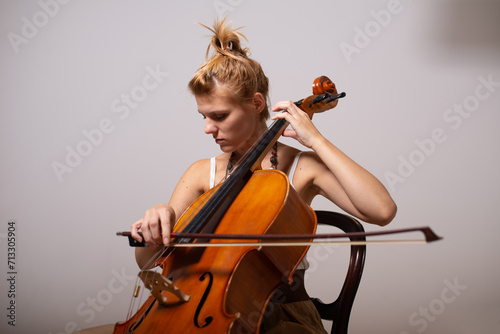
column 158, row 221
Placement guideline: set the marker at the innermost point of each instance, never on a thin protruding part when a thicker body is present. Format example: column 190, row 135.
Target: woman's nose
column 209, row 126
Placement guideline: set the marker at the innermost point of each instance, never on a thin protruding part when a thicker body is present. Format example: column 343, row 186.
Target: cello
column 226, row 289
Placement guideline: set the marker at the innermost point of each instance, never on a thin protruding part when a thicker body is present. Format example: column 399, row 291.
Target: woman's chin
column 226, row 148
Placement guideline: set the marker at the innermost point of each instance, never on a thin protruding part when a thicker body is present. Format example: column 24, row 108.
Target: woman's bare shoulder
column 199, row 165
column 197, row 174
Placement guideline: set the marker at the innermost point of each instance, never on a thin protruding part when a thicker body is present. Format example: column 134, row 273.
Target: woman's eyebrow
column 213, row 112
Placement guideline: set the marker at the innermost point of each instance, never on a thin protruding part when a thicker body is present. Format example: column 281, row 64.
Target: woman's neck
column 261, row 129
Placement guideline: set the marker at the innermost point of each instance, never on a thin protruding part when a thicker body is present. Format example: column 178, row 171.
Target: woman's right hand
column 155, row 226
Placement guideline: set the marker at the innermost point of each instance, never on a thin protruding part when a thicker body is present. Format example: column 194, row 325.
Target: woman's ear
column 259, row 102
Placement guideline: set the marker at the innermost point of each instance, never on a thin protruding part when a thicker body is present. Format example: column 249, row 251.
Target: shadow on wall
column 460, row 24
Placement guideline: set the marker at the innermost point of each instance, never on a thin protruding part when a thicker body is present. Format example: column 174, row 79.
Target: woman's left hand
column 303, row 130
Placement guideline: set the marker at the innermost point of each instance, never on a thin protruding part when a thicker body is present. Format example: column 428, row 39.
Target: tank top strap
column 213, row 167
column 293, row 168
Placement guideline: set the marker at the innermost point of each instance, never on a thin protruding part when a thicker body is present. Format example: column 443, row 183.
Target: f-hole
column 208, row 319
column 134, row 326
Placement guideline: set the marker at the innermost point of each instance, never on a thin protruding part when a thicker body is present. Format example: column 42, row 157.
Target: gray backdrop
column 97, row 126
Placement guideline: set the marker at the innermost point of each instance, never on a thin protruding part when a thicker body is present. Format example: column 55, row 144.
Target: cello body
column 230, row 287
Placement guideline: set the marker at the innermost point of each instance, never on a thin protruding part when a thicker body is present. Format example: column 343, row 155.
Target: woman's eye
column 215, row 117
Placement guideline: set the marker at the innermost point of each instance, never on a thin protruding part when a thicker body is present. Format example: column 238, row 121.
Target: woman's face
column 234, row 126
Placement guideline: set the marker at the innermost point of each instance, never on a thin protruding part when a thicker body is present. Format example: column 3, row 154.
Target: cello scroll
column 325, row 97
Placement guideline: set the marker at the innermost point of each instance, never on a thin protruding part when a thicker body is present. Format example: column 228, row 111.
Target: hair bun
column 226, row 40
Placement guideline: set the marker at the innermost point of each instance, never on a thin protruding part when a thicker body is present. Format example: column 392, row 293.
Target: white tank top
column 304, row 264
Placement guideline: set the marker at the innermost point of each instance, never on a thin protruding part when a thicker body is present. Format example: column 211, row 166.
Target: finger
column 280, row 115
column 288, row 111
column 289, row 133
column 155, row 228
column 165, row 220
column 134, row 230
column 283, row 105
column 146, row 230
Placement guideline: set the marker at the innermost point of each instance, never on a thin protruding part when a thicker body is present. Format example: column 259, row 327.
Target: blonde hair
column 231, row 68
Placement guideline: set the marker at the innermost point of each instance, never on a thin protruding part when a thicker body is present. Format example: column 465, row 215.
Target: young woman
column 231, row 92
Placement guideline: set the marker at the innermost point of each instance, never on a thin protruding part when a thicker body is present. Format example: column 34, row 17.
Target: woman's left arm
column 335, row 175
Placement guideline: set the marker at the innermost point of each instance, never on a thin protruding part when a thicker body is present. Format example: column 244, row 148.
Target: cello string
column 139, row 284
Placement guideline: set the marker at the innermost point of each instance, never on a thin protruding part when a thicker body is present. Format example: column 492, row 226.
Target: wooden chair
column 340, row 310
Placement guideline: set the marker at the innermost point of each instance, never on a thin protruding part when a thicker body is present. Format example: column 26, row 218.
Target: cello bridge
column 161, row 287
